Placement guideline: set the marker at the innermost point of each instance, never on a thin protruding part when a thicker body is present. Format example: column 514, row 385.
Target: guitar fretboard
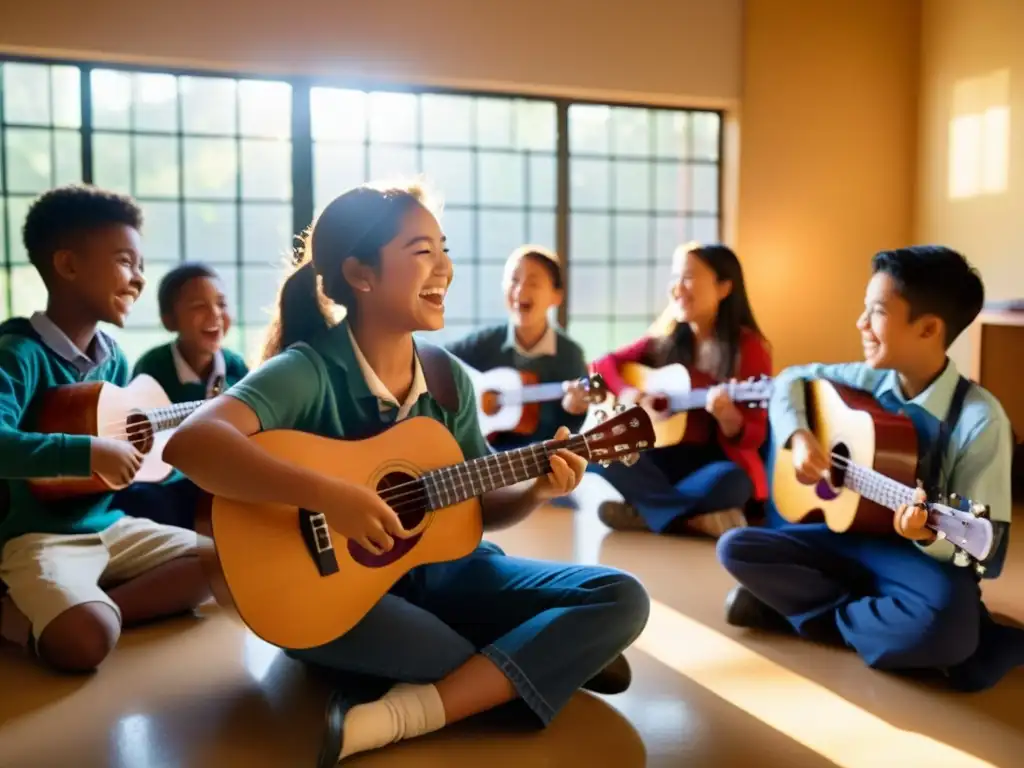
column 170, row 416
column 877, row 487
column 454, row 484
column 695, row 399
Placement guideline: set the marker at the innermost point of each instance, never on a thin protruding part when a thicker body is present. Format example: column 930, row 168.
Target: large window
column 491, row 159
column 228, row 169
column 643, row 181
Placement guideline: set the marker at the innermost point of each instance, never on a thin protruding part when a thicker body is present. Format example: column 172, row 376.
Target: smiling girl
column 460, row 637
column 704, row 483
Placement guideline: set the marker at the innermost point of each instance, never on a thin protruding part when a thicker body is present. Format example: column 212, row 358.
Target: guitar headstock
column 965, row 525
column 754, row 392
column 620, row 437
column 595, row 388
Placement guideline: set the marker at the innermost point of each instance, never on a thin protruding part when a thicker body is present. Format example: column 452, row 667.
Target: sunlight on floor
column 801, row 709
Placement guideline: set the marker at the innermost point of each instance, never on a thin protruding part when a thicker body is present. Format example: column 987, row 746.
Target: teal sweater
column 159, row 363
column 491, row 348
column 27, row 368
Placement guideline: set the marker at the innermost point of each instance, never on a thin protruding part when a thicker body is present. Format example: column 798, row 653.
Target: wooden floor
column 203, row 692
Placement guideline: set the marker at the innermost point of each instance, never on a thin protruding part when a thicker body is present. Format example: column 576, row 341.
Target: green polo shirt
column 183, row 386
column 319, row 387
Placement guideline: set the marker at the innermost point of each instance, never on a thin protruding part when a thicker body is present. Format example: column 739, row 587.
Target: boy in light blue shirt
column 901, row 603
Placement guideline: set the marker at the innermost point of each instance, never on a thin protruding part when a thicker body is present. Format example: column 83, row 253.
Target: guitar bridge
column 316, row 534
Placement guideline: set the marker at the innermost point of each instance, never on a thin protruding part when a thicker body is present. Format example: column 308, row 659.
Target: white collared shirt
column 58, row 341
column 385, row 399
column 547, row 345
column 187, row 376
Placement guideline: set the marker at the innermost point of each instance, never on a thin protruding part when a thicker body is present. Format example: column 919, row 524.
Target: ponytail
column 301, row 312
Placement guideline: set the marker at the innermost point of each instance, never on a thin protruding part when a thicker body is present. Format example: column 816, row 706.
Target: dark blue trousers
column 666, row 486
column 170, row 503
column 897, row 607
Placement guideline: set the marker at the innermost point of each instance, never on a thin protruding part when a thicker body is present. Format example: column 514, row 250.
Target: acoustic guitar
column 874, row 458
column 674, row 396
column 140, row 413
column 298, row 583
column 509, row 400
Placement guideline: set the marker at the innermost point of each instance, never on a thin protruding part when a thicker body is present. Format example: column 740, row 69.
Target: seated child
column 531, row 342
column 899, row 602
column 192, row 367
column 79, row 570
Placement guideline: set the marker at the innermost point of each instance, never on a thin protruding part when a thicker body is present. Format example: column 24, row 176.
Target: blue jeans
column 548, row 627
column 672, row 486
column 897, row 607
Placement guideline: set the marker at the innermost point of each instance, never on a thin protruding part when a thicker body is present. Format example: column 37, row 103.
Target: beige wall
column 826, row 166
column 660, row 50
column 971, row 163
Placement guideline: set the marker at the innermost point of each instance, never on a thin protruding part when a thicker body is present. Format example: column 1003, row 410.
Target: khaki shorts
column 48, row 573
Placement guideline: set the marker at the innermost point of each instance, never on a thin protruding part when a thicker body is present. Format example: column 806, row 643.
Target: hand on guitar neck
column 911, row 520
column 655, row 403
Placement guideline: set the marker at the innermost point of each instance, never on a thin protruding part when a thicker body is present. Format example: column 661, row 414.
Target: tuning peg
column 600, row 415
column 605, row 463
column 979, row 510
column 621, row 407
column 961, row 558
column 953, row 500
column 630, row 459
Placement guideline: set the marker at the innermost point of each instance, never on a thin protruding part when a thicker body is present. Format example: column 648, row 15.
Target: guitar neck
column 457, row 483
column 696, row 399
column 170, row 416
column 542, row 393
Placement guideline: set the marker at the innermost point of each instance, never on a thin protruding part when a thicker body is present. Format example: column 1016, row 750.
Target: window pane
column 211, row 168
column 155, row 102
column 259, row 288
column 336, row 168
column 631, row 132
column 338, row 114
column 705, row 188
column 501, row 179
column 589, row 238
column 542, row 229
column 501, row 232
column 492, row 294
column 265, row 109
column 671, row 187
column 161, row 231
column 494, row 120
column 704, row 229
column 627, row 331
column 17, row 210
column 590, row 290
column 136, row 341
column 543, row 181
column 211, row 231
column 589, row 129
column 661, row 284
column 590, row 180
column 208, row 105
column 68, row 157
column 26, row 93
column 447, row 120
column 669, row 233
column 391, row 162
column 593, row 336
column 29, row 162
column 156, row 166
column 631, row 290
column 266, row 169
column 67, row 97
column 112, row 162
column 111, row 99
column 28, row 294
column 393, row 117
column 451, row 171
column 672, row 132
column 632, row 239
column 706, row 129
column 537, row 125
column 146, row 312
column 460, row 303
column 632, row 186
column 266, row 234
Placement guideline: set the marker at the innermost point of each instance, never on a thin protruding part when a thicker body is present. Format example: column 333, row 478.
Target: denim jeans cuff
column 526, row 690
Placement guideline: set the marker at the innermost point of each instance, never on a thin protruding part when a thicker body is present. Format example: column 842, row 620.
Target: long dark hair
column 734, row 314
column 358, row 224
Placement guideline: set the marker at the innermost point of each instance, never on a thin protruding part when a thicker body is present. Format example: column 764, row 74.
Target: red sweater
column 743, row 449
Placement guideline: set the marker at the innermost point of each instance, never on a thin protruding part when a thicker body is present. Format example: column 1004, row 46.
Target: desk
column 997, row 360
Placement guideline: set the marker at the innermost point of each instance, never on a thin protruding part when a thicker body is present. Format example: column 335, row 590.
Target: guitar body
column 505, row 414
column 260, row 565
column 101, row 409
column 851, row 424
column 670, row 428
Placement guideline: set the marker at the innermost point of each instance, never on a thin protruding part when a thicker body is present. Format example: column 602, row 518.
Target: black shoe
column 334, row 729
column 743, row 609
column 615, row 678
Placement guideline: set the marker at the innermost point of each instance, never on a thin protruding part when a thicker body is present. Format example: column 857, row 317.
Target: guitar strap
column 437, row 370
column 935, row 482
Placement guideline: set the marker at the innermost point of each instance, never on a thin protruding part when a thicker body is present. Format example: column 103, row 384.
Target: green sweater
column 494, row 347
column 159, row 363
column 27, row 368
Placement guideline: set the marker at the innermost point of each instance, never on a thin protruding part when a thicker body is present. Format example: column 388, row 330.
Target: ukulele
column 674, row 396
column 874, row 465
column 509, row 400
column 140, row 413
column 298, row 583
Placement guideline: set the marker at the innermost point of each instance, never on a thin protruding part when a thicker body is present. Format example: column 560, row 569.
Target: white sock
column 404, row 712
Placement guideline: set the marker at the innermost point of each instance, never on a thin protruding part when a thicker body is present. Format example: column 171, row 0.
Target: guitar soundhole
column 411, row 506
column 840, row 458
column 140, row 432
